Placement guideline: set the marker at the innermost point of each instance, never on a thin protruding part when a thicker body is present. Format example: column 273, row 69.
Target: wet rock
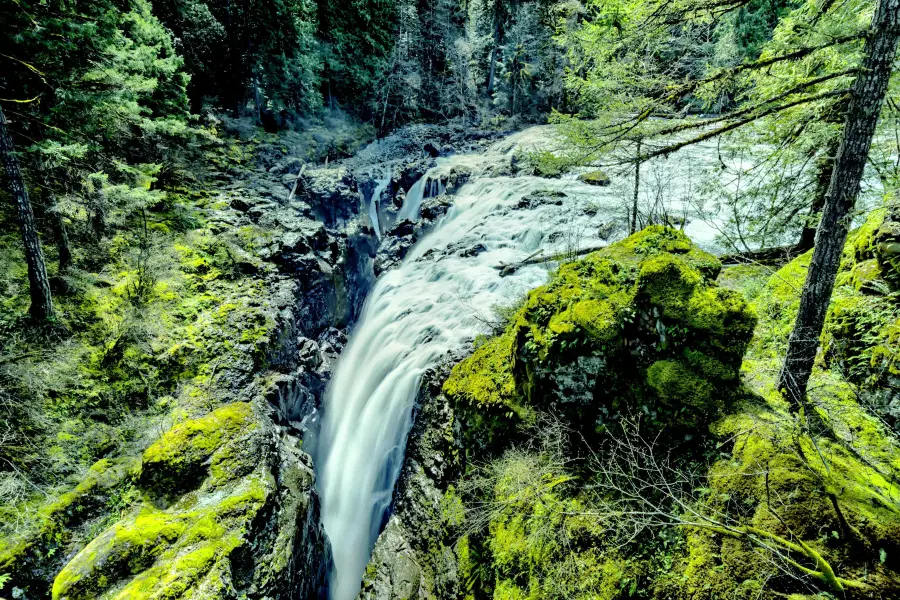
column 260, row 209
column 397, row 575
column 473, row 250
column 392, row 252
column 595, row 178
column 608, row 229
column 294, row 241
column 243, row 203
column 309, row 354
column 367, row 186
column 541, row 198
column 332, row 193
column 433, row 149
column 433, row 209
column 458, row 177
column 411, row 172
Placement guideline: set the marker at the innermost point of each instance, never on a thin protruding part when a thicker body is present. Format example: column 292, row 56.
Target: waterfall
column 376, row 197
column 412, row 318
column 413, row 200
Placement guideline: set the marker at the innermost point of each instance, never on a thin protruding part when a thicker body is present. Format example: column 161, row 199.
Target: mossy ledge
column 638, row 326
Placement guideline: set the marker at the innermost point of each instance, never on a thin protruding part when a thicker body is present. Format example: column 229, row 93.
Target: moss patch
column 177, row 461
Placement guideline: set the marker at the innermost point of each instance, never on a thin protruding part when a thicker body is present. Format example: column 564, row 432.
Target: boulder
column 331, row 192
column 595, row 178
column 224, row 519
column 639, row 326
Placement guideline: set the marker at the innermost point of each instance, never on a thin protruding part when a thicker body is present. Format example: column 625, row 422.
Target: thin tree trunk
column 494, row 50
column 866, row 100
column 823, row 181
column 63, row 249
column 637, row 186
column 41, row 302
column 97, row 204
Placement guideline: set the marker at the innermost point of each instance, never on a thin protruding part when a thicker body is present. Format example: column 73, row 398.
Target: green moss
column 834, row 493
column 485, row 377
column 163, row 554
column 177, row 460
column 657, row 239
column 124, row 549
column 777, row 308
column 676, row 385
column 595, row 178
column 668, row 283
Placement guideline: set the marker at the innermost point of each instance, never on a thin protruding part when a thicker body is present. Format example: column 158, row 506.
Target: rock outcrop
column 219, row 499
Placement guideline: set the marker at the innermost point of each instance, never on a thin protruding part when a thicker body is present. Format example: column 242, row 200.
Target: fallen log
column 538, row 257
column 778, row 255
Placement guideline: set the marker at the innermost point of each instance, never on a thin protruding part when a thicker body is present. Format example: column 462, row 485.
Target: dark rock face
column 397, row 242
column 433, row 149
column 411, row 172
column 543, row 198
column 331, row 192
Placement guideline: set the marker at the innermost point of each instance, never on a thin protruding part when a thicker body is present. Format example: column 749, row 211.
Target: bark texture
column 867, row 98
column 637, row 186
column 39, row 284
column 825, row 168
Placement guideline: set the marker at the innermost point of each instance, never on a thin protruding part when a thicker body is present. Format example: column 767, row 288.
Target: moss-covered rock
column 863, row 325
column 163, row 554
column 215, row 520
column 34, row 556
column 596, row 177
column 642, row 317
column 178, row 461
column 826, row 502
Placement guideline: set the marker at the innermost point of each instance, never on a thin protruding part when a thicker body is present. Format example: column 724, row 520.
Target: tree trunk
column 63, row 249
column 494, row 50
column 637, row 186
column 825, row 168
column 41, row 302
column 866, row 100
column 97, row 205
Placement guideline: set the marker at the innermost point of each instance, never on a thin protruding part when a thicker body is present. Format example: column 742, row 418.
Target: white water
column 376, row 197
column 419, row 312
column 414, row 315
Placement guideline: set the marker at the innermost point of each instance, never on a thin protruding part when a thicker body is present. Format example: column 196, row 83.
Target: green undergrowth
column 761, row 503
column 161, row 317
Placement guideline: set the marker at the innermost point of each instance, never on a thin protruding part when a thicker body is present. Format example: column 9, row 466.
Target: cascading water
column 414, row 315
column 376, row 197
